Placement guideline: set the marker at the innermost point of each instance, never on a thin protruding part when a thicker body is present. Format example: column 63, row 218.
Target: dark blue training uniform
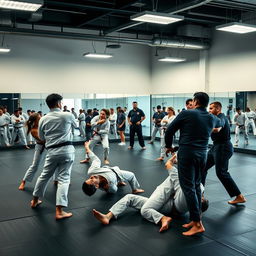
column 195, row 127
column 219, row 155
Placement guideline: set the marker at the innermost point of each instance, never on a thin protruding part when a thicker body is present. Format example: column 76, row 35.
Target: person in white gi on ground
column 55, row 129
column 100, row 125
column 107, row 178
column 167, row 199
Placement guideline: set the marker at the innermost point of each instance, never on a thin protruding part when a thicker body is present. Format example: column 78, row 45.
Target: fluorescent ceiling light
column 24, row 5
column 156, row 17
column 15, row 98
column 4, row 50
column 171, row 59
column 4, row 98
column 236, row 27
column 97, row 55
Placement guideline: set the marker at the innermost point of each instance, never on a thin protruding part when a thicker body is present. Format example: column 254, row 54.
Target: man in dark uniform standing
column 135, row 118
column 219, row 155
column 195, row 127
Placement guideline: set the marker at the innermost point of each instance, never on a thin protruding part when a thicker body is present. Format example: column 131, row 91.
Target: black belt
column 117, row 176
column 60, row 145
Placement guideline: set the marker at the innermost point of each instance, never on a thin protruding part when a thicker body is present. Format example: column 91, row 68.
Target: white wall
column 45, row 65
column 232, row 62
column 183, row 77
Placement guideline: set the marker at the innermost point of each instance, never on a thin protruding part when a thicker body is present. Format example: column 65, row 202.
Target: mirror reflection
column 16, row 108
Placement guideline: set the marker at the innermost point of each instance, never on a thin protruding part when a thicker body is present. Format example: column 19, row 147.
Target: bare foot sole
column 34, row 203
column 121, row 184
column 165, row 223
column 63, row 215
column 137, row 191
column 84, row 161
column 106, row 162
column 101, row 217
column 188, row 225
column 22, row 185
column 194, row 230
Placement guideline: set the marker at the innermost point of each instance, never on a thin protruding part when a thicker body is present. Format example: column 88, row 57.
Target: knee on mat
column 144, row 211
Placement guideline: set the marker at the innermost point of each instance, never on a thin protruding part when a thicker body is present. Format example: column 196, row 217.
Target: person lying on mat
column 167, row 199
column 107, row 178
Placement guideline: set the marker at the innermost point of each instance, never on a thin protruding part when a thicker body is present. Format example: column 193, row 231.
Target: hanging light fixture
column 23, row 5
column 237, row 27
column 172, row 59
column 3, row 48
column 156, row 17
column 97, row 55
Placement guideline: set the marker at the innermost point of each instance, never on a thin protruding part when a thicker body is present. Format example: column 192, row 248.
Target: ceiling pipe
column 156, row 42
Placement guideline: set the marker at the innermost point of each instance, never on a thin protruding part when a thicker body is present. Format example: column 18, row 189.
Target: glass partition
column 148, row 103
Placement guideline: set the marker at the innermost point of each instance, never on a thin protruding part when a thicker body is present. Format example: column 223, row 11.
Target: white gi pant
column 4, row 141
column 237, row 134
column 154, row 132
column 104, row 141
column 62, row 164
column 250, row 122
column 9, row 135
column 39, row 154
column 113, row 129
column 20, row 133
column 82, row 128
column 162, row 141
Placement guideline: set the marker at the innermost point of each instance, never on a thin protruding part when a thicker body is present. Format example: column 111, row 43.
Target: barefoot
column 106, row 162
column 239, row 199
column 85, row 161
column 63, row 215
column 34, row 203
column 160, row 159
column 196, row 229
column 27, row 147
column 137, row 191
column 130, row 147
column 165, row 221
column 121, row 184
column 143, row 148
column 188, row 225
column 103, row 218
column 22, row 185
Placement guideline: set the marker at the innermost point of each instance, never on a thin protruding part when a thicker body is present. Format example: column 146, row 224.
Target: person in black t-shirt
column 219, row 155
column 135, row 118
column 157, row 118
column 88, row 127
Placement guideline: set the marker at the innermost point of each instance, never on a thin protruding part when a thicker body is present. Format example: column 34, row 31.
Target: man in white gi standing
column 56, row 130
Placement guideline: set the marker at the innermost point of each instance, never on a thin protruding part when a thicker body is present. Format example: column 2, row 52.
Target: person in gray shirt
column 55, row 129
column 167, row 199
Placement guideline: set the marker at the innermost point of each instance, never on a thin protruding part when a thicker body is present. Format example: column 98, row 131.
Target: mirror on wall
column 244, row 137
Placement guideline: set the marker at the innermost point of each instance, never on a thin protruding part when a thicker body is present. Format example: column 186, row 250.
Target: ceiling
column 106, row 17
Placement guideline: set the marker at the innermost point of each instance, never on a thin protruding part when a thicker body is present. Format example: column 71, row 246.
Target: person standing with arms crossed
column 135, row 117
column 55, row 129
column 196, row 126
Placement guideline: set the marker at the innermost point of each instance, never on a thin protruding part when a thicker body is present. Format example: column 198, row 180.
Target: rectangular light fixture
column 24, row 5
column 156, row 17
column 97, row 55
column 4, row 50
column 171, row 59
column 237, row 27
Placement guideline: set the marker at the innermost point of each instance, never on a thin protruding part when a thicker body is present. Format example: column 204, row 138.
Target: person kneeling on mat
column 107, row 178
column 167, row 199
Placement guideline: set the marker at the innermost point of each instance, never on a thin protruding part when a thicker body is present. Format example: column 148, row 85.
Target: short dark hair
column 202, row 99
column 216, row 104
column 188, row 100
column 205, row 205
column 238, row 108
column 106, row 112
column 158, row 107
column 89, row 111
column 135, row 102
column 88, row 189
column 53, row 99
column 95, row 109
column 20, row 108
column 1, row 107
